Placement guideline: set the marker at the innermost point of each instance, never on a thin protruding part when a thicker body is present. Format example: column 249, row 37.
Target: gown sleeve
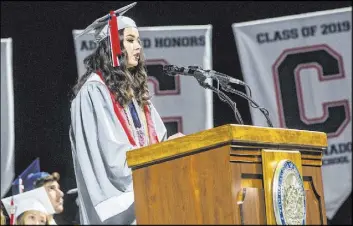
column 100, row 144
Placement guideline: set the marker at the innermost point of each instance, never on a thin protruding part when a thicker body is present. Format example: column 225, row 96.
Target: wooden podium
column 224, row 175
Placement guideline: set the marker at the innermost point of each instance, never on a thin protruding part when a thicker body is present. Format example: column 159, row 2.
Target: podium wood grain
column 216, row 176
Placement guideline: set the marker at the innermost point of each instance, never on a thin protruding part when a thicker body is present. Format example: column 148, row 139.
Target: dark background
column 45, row 70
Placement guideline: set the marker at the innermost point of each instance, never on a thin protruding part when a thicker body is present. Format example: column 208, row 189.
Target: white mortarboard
column 110, row 24
column 36, row 199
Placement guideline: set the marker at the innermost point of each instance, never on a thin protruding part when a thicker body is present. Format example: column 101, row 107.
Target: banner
column 300, row 69
column 7, row 117
column 182, row 103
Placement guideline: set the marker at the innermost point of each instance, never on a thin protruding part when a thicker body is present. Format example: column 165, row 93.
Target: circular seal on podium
column 288, row 195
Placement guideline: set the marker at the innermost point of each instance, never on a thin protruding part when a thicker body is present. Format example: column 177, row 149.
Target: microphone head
column 168, row 68
column 171, row 70
column 194, row 69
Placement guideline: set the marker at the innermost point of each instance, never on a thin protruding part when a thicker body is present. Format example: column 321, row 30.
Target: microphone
column 197, row 71
column 194, row 71
column 223, row 80
column 175, row 70
column 201, row 76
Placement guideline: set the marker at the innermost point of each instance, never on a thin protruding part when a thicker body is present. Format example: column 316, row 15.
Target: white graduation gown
column 99, row 145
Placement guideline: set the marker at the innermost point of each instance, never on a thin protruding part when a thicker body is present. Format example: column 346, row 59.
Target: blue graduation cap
column 25, row 181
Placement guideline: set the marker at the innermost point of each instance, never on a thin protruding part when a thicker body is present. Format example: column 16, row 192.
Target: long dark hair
column 124, row 83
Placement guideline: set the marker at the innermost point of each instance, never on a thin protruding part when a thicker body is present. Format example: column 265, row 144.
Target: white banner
column 183, row 105
column 300, row 69
column 7, row 117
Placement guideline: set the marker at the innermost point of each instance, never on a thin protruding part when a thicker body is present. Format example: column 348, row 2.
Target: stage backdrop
column 300, row 69
column 7, row 117
column 183, row 105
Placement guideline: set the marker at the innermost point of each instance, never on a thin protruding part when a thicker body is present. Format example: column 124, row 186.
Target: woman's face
column 34, row 217
column 132, row 46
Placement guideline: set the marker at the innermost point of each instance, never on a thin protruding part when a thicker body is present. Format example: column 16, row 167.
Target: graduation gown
column 99, row 145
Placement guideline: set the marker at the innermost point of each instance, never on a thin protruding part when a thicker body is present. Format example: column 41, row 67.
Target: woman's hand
column 175, row 136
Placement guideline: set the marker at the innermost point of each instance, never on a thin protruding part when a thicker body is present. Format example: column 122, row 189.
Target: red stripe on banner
column 118, row 112
column 114, row 39
column 150, row 126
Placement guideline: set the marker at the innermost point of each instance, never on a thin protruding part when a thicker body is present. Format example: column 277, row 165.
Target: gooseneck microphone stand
column 222, row 96
column 253, row 104
column 224, row 81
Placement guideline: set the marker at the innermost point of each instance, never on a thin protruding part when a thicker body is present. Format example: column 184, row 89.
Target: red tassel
column 12, row 212
column 114, row 39
column 20, row 186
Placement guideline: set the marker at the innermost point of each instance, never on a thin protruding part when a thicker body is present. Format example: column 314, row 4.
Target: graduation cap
column 110, row 24
column 20, row 184
column 33, row 177
column 26, row 180
column 36, row 199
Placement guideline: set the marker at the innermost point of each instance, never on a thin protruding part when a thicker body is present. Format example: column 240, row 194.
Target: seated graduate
column 111, row 113
column 29, row 208
column 51, row 184
column 32, row 178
